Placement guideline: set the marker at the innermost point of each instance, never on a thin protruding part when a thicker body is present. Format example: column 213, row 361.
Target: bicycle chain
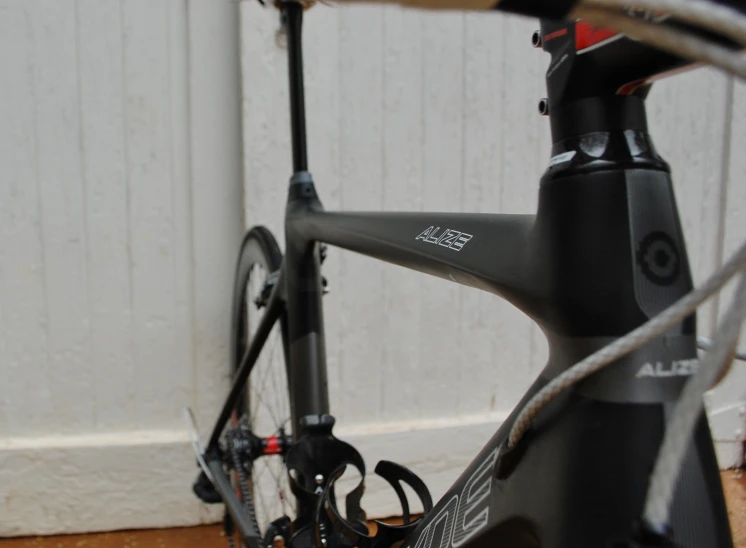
column 243, row 484
column 228, row 529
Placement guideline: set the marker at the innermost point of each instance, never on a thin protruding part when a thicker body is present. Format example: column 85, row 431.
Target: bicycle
column 610, row 447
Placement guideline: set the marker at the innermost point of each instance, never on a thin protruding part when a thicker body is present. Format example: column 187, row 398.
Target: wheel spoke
column 259, row 398
column 282, row 488
column 269, row 410
column 263, row 502
column 272, row 352
column 260, row 363
column 275, row 476
column 271, row 473
column 261, row 474
column 268, row 406
column 283, row 404
column 263, row 380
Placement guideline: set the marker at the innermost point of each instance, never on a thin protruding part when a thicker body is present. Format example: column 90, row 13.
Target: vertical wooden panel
column 522, row 166
column 62, row 204
column 323, row 110
column 443, row 100
column 724, row 402
column 266, row 131
column 735, row 210
column 525, row 130
column 361, row 146
column 484, row 343
column 24, row 338
column 403, row 184
column 180, row 48
column 95, row 245
column 151, row 198
column 735, row 203
column 324, row 116
column 104, row 176
column 216, row 191
column 75, row 85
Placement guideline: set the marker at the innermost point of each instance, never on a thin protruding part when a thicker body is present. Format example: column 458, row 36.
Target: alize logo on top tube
column 452, row 239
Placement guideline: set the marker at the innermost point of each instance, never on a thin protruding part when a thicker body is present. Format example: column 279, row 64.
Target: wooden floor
column 212, row 537
column 734, row 484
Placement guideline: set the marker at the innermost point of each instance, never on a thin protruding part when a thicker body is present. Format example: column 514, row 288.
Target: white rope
column 718, row 18
column 688, row 410
column 674, row 41
column 626, row 344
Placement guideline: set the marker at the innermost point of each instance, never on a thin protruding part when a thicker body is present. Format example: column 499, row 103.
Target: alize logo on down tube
column 452, row 239
column 465, row 513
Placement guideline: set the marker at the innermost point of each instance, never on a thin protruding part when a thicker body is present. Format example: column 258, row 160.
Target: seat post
column 293, row 15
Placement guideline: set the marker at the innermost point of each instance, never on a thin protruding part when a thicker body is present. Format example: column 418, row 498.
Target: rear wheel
column 265, row 403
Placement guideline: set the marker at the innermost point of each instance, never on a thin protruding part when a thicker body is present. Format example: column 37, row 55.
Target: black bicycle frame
column 604, row 253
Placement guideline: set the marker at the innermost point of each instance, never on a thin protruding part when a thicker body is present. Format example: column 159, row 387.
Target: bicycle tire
column 265, row 402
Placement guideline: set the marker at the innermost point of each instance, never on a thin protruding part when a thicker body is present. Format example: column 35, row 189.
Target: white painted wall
column 120, row 215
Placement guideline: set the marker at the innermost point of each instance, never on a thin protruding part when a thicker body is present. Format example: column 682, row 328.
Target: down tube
column 488, row 252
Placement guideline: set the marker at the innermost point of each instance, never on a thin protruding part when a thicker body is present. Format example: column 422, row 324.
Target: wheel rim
column 267, row 409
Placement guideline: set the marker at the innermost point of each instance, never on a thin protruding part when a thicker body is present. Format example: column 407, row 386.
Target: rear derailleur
column 239, row 451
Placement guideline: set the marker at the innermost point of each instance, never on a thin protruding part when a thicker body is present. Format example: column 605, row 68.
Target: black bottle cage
column 387, row 534
column 314, row 465
column 320, row 456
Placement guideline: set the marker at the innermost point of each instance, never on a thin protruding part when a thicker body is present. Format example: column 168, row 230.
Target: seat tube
column 307, row 375
column 307, row 356
column 293, row 19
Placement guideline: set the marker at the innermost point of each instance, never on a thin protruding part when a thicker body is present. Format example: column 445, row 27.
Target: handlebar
column 550, row 9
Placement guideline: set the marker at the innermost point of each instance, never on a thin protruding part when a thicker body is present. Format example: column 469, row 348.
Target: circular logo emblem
column 659, row 258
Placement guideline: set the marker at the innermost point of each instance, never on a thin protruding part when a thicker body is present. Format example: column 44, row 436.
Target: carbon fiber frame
column 604, row 253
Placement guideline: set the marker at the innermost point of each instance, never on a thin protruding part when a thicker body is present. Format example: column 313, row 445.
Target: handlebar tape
column 548, row 9
column 545, row 9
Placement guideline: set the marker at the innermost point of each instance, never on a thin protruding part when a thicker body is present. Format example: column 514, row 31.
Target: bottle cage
column 315, row 463
column 387, row 534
